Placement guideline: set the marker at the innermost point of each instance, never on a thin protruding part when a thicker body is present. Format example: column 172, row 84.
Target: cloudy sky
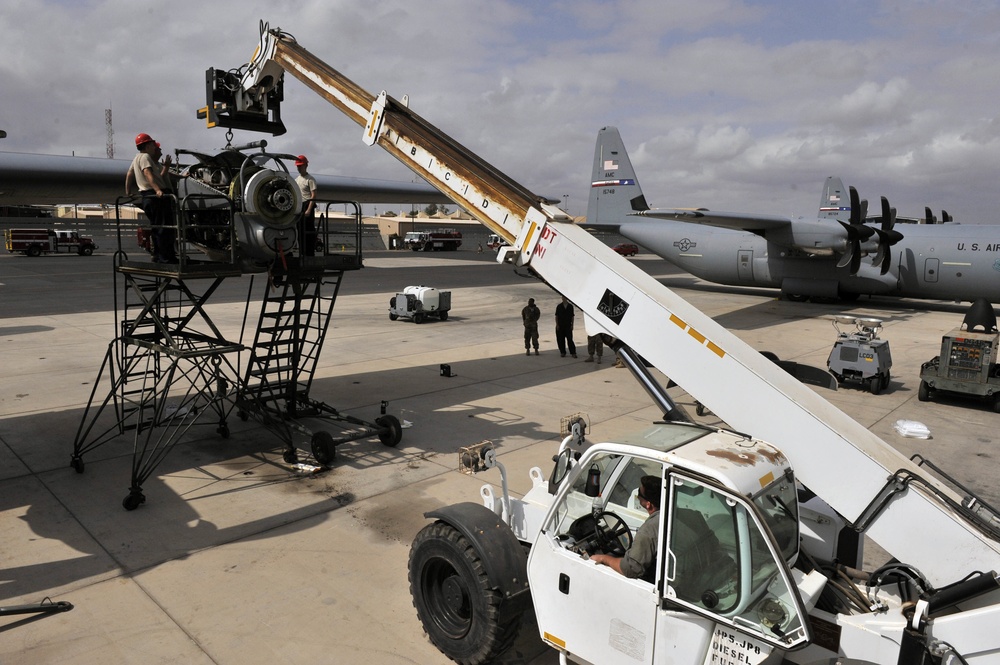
column 743, row 105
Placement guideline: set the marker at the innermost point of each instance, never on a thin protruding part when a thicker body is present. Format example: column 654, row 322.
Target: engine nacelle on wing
column 821, row 237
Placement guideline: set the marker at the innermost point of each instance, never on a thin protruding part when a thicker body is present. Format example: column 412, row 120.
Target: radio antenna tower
column 111, row 133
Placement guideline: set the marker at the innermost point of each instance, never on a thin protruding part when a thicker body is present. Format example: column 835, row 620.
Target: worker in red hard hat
column 307, row 225
column 151, row 178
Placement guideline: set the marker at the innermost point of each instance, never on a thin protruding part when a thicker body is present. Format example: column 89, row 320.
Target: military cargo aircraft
column 841, row 253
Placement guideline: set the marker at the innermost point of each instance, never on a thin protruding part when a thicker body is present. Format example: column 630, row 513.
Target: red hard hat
column 301, row 161
column 142, row 138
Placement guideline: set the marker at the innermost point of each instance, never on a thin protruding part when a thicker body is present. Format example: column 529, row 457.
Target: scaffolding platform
column 170, row 368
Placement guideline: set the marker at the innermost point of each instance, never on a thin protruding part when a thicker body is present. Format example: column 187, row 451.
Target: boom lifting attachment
column 914, row 516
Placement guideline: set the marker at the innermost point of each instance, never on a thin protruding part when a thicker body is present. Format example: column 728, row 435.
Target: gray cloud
column 725, row 104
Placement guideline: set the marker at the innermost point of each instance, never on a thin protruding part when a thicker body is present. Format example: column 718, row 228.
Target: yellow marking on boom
column 527, row 238
column 712, row 346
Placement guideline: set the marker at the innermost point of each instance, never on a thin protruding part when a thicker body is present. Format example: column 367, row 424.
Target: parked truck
column 35, row 242
column 441, row 240
column 494, row 241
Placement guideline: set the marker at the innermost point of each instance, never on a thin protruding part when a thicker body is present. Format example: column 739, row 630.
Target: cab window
column 722, row 563
column 573, row 522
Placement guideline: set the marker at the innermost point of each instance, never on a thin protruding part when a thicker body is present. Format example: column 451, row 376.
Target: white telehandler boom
column 951, row 604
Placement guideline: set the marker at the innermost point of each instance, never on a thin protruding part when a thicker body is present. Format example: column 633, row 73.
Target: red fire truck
column 33, row 242
column 439, row 240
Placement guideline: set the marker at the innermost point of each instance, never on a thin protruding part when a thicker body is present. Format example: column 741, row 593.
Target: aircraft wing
column 367, row 190
column 30, row 179
column 27, row 179
column 727, row 220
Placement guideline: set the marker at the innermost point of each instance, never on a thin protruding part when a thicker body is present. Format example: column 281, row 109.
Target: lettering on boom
column 545, row 240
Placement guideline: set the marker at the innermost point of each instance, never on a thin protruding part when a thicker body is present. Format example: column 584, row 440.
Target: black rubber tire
column 86, row 251
column 133, row 500
column 454, row 598
column 394, row 433
column 323, row 448
column 795, row 297
column 699, row 409
column 419, row 317
column 77, row 464
column 393, row 317
column 924, row 391
column 290, row 456
column 223, row 431
column 443, row 315
column 34, row 251
column 875, row 384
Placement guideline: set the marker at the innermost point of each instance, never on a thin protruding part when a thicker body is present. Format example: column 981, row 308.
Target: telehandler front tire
column 457, row 605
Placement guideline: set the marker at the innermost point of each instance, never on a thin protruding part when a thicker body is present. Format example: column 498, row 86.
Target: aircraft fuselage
column 934, row 261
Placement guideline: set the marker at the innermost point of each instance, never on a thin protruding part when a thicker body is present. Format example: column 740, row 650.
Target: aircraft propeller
column 857, row 232
column 887, row 237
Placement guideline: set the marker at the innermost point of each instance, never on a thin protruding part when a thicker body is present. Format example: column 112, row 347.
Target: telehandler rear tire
column 457, row 605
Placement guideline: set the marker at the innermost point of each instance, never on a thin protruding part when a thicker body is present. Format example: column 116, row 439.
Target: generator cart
column 860, row 356
column 419, row 302
column 968, row 361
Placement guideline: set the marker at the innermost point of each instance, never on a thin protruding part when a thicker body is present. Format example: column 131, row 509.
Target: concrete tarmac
column 238, row 558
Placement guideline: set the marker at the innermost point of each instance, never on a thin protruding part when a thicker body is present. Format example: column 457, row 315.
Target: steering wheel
column 612, row 533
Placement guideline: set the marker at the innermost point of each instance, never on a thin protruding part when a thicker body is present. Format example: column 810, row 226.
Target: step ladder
column 294, row 318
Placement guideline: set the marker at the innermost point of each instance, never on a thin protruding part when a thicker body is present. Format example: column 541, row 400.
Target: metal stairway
column 279, row 374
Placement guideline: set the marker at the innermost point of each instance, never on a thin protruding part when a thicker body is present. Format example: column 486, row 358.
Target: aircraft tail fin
column 614, row 189
column 834, row 203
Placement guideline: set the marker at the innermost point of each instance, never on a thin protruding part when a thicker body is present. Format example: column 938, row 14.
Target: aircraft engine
column 251, row 199
column 273, row 196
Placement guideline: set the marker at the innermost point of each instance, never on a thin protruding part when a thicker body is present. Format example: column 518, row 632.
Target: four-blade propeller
column 887, row 237
column 857, row 232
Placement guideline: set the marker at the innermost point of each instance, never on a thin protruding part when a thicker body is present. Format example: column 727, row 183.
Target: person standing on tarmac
column 154, row 186
column 564, row 327
column 595, row 345
column 307, row 227
column 529, row 316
